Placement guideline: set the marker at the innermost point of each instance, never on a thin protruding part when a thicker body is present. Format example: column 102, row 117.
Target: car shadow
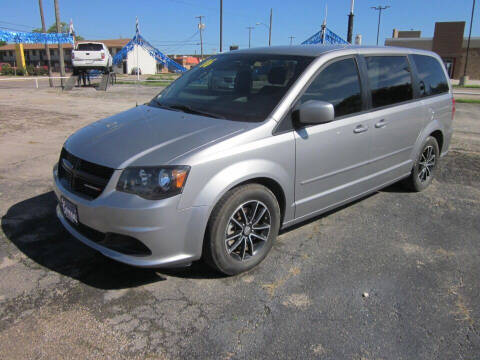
column 394, row 188
column 32, row 226
column 397, row 187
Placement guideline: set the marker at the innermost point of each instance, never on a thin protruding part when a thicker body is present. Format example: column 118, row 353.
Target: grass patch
column 468, row 101
column 169, row 77
column 467, row 86
column 145, row 83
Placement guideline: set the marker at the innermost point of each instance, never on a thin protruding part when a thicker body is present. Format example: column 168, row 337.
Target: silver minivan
column 249, row 142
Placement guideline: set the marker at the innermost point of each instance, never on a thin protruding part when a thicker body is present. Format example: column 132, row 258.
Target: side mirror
column 313, row 112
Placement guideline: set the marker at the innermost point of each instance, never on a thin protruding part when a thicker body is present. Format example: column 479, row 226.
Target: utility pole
column 201, row 27
column 464, row 78
column 47, row 50
column 60, row 47
column 221, row 24
column 379, row 8
column 270, row 28
column 291, row 39
column 249, row 35
column 350, row 23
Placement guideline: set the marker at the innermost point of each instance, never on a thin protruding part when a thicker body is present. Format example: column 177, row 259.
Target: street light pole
column 270, row 28
column 463, row 80
column 249, row 35
column 350, row 23
column 379, row 8
column 221, row 24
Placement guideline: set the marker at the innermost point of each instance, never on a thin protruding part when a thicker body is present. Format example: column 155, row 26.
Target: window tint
column 389, row 79
column 90, row 47
column 430, row 75
column 339, row 85
column 235, row 86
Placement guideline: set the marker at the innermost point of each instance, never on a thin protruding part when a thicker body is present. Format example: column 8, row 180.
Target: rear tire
column 241, row 229
column 425, row 166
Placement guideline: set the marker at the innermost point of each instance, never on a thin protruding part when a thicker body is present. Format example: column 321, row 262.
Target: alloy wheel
column 426, row 164
column 247, row 230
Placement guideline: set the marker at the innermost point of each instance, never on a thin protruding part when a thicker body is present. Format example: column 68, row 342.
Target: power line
column 10, row 23
column 11, row 29
column 213, row 9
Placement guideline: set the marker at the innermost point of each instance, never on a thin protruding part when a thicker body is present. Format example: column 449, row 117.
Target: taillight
column 103, row 56
column 453, row 107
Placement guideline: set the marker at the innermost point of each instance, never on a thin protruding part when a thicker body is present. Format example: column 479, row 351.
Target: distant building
column 448, row 42
column 187, row 61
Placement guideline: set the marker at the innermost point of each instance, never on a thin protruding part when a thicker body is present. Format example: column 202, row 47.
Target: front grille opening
column 82, row 177
column 125, row 244
column 121, row 243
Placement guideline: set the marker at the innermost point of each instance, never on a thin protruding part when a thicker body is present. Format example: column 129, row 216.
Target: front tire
column 241, row 229
column 425, row 166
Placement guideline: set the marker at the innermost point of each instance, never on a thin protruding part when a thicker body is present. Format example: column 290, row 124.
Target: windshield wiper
column 159, row 104
column 190, row 110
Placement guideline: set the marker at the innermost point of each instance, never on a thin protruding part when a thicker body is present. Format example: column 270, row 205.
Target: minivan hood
column 148, row 136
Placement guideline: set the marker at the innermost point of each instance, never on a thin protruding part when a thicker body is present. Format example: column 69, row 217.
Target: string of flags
column 324, row 36
column 20, row 37
column 154, row 52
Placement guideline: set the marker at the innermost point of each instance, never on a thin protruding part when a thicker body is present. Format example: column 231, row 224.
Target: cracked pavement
column 415, row 254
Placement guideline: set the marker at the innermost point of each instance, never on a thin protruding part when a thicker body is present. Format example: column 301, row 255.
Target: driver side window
column 338, row 84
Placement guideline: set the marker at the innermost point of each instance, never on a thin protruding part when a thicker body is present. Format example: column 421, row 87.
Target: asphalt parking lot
column 416, row 255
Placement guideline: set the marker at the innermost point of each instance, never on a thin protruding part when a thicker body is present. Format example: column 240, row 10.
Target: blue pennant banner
column 157, row 54
column 35, row 38
column 330, row 38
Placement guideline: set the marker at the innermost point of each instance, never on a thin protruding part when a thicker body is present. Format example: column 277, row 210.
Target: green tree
column 64, row 28
column 53, row 28
column 3, row 43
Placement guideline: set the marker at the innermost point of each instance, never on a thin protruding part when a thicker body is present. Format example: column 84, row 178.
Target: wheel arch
column 438, row 135
column 271, row 185
column 434, row 128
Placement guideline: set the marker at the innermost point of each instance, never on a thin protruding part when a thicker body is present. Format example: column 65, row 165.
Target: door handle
column 381, row 124
column 360, row 129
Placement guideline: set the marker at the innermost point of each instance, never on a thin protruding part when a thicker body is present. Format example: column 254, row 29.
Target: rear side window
column 339, row 85
column 432, row 80
column 390, row 79
column 90, row 47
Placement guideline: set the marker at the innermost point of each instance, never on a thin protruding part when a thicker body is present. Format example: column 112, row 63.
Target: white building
column 141, row 58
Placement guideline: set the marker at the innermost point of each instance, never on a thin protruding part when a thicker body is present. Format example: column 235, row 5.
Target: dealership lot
column 393, row 276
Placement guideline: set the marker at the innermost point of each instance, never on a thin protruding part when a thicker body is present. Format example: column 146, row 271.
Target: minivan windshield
column 243, row 87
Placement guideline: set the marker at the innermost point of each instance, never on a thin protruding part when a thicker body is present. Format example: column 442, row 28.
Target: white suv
column 91, row 55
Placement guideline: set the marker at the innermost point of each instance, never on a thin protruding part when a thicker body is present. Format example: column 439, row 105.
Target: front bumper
column 173, row 236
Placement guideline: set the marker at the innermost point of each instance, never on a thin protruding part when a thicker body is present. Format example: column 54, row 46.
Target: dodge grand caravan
column 249, row 142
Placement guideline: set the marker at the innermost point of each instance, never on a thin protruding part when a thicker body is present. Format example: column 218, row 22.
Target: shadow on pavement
column 32, row 226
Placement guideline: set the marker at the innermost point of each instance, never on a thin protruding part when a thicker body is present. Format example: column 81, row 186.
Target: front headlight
column 153, row 183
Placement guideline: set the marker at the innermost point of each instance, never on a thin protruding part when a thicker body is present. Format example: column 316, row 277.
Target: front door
column 332, row 158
